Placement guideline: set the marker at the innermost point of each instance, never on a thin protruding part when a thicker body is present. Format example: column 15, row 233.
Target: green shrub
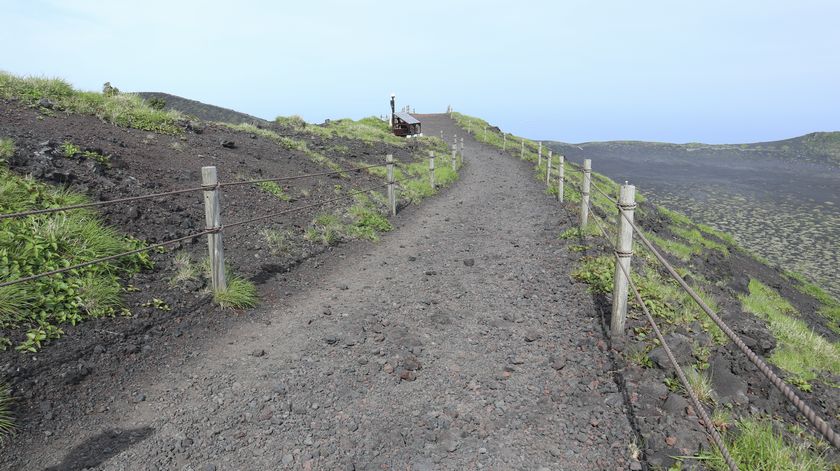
column 47, row 242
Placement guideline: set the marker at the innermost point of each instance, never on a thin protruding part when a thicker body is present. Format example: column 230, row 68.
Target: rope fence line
column 97, row 203
column 698, row 406
column 778, row 382
column 210, row 188
column 787, row 391
column 299, row 177
column 104, row 259
column 35, row 212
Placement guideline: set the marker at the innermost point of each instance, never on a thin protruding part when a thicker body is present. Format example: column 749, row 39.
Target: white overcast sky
column 712, row 71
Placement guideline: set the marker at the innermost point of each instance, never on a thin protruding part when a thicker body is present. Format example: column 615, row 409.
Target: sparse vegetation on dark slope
column 198, row 109
column 783, row 204
column 59, row 146
column 784, row 318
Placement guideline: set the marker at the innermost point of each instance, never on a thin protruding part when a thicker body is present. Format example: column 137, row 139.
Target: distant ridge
column 201, row 110
column 817, row 147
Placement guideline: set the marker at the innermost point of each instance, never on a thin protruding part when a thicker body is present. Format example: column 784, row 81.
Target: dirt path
column 457, row 342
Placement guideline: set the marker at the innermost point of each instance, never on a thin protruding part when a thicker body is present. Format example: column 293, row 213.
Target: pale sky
column 665, row 70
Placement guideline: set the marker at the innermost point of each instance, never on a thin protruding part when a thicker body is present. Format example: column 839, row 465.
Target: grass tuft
column 7, row 425
column 800, row 351
column 274, row 189
column 239, row 294
column 7, row 149
column 756, row 446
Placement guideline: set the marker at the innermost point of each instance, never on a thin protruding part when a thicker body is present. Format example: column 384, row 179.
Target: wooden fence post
column 584, row 195
column 626, row 205
column 392, row 193
column 561, row 170
column 213, row 220
column 432, row 169
column 548, row 170
column 461, row 158
column 539, row 155
column 454, row 156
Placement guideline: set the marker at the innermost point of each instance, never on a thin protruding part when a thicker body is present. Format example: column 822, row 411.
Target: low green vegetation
column 70, row 150
column 274, row 189
column 239, row 293
column 42, row 243
column 829, row 305
column 185, row 269
column 7, row 424
column 279, row 242
column 800, row 351
column 7, row 149
column 121, row 109
column 755, row 445
column 287, row 143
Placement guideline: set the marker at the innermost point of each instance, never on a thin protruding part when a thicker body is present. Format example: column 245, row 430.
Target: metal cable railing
column 299, row 177
column 698, row 406
column 174, row 192
column 821, row 425
column 105, row 259
column 187, row 237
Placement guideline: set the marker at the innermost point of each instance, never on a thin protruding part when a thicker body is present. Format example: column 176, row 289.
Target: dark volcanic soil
column 787, row 211
column 458, row 342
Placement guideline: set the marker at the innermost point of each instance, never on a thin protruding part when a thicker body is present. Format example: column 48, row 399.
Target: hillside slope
column 60, row 146
column 200, row 110
column 816, row 147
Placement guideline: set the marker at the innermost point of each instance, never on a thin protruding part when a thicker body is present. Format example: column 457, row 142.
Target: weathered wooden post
column 461, row 155
column 584, row 194
column 539, row 155
column 454, row 156
column 213, row 220
column 392, row 191
column 504, row 141
column 522, row 149
column 561, row 170
column 626, row 205
column 432, row 169
column 548, row 171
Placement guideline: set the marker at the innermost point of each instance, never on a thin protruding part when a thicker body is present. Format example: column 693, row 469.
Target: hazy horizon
column 575, row 72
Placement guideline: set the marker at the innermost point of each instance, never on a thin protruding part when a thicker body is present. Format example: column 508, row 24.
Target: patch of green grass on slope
column 121, row 109
column 47, row 242
column 800, row 351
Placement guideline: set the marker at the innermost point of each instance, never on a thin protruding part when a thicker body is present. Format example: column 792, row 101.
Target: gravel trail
column 457, row 342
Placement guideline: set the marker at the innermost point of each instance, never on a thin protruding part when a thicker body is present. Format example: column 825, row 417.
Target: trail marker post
column 392, row 191
column 560, row 176
column 624, row 252
column 584, row 194
column 213, row 220
column 548, row 171
column 432, row 169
